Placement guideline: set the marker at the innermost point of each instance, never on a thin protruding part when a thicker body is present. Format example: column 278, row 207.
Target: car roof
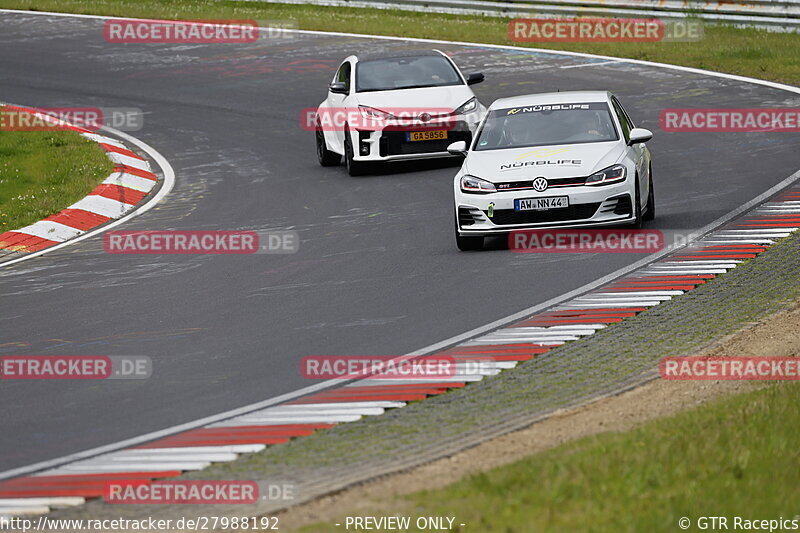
column 372, row 56
column 563, row 97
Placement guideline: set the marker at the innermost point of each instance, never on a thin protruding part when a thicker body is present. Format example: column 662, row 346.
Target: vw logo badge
column 539, row 184
column 425, row 117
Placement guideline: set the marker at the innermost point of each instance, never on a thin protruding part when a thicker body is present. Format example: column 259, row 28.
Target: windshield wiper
column 398, row 88
column 419, row 86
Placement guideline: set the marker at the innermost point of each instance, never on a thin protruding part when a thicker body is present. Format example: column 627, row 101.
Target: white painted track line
column 128, row 161
column 103, row 139
column 568, row 327
column 141, row 456
column 348, row 405
column 784, row 232
column 411, row 381
column 729, row 263
column 690, row 265
column 572, row 332
column 102, row 206
column 297, row 419
column 59, row 501
column 137, row 183
column 77, row 468
column 589, row 299
column 524, row 332
column 683, row 272
column 490, row 339
column 628, row 295
column 590, row 305
column 279, row 411
column 734, row 242
column 538, row 330
column 227, row 448
column 52, row 231
column 23, row 510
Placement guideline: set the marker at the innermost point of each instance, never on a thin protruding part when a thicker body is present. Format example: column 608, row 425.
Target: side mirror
column 639, row 135
column 475, row 77
column 338, row 87
column 458, row 148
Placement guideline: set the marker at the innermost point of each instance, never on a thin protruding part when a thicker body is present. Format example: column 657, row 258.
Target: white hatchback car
column 554, row 160
column 396, row 107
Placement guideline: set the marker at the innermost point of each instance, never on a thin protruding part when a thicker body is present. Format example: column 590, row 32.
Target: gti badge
column 539, row 184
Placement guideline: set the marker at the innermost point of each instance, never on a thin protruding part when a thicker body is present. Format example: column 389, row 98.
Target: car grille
column 506, row 217
column 551, row 182
column 394, row 142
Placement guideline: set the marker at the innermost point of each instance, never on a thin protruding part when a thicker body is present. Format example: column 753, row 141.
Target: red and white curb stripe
column 222, row 441
column 117, row 195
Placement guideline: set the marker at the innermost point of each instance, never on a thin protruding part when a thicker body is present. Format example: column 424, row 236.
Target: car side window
column 624, row 119
column 343, row 74
column 627, row 116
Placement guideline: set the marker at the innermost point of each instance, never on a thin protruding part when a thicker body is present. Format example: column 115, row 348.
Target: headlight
column 470, row 106
column 476, row 185
column 612, row 174
column 374, row 114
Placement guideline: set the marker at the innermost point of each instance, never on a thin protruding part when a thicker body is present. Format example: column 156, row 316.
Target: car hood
column 561, row 161
column 449, row 98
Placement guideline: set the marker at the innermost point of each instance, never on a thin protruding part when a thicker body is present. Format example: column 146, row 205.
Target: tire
column 637, row 207
column 468, row 244
column 650, row 211
column 354, row 168
column 325, row 157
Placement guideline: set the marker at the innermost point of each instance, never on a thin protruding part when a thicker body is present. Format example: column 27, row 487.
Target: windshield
column 544, row 125
column 405, row 73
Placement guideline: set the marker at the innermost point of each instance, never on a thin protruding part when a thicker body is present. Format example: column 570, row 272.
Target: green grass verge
column 734, row 457
column 748, row 52
column 42, row 172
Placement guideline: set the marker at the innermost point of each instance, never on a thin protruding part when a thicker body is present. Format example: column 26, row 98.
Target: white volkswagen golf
column 554, row 160
column 396, row 107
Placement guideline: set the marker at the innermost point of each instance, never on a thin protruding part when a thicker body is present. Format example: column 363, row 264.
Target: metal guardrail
column 775, row 15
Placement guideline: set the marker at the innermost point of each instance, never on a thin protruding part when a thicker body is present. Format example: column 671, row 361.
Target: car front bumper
column 391, row 144
column 588, row 206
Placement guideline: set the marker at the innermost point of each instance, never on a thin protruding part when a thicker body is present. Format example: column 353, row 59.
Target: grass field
column 42, row 172
column 734, row 457
column 756, row 53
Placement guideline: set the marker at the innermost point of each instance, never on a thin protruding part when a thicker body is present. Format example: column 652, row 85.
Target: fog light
column 363, row 145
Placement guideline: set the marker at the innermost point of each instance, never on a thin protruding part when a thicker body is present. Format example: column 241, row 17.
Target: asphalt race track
column 377, row 273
